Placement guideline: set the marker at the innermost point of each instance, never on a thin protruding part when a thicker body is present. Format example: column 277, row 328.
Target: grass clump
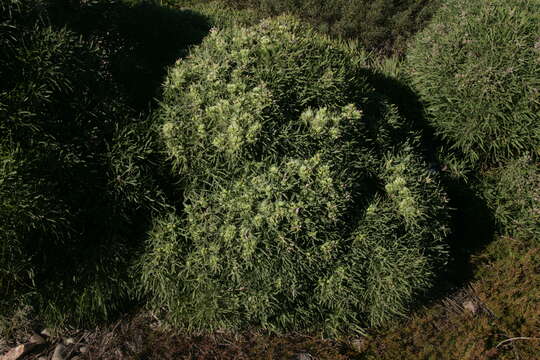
column 382, row 25
column 513, row 193
column 295, row 173
column 476, row 67
column 68, row 223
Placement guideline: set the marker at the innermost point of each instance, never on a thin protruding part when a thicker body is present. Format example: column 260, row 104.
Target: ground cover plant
column 307, row 202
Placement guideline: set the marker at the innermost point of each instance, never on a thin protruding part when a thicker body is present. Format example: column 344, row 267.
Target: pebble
column 37, row 339
column 359, row 344
column 47, row 332
column 18, row 352
column 470, row 306
column 304, row 356
column 58, row 352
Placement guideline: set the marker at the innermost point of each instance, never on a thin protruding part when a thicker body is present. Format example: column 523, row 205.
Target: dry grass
column 507, row 293
column 140, row 337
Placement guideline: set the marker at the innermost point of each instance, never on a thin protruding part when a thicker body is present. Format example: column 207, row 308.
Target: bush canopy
column 307, row 203
column 70, row 197
column 477, row 69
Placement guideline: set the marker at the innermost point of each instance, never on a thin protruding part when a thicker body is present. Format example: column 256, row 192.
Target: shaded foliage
column 80, row 169
column 513, row 194
column 140, row 39
column 475, row 68
column 381, row 25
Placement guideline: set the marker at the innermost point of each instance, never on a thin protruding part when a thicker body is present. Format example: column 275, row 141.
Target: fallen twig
column 517, row 338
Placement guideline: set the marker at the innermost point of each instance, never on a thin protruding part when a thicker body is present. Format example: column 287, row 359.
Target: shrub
column 513, row 193
column 139, row 39
column 381, row 25
column 476, row 66
column 295, row 173
column 220, row 14
column 68, row 219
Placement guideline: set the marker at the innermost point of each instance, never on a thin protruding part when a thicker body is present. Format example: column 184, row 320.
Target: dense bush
column 306, row 202
column 139, row 38
column 513, row 193
column 381, row 25
column 220, row 14
column 476, row 66
column 68, row 209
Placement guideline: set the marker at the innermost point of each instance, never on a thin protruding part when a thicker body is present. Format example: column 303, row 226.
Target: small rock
column 18, row 352
column 83, row 349
column 69, row 341
column 42, row 358
column 58, row 352
column 37, row 339
column 304, row 356
column 76, row 357
column 359, row 344
column 47, row 332
column 470, row 306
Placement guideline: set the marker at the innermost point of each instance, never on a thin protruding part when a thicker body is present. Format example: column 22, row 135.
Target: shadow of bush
column 141, row 39
column 81, row 171
column 473, row 222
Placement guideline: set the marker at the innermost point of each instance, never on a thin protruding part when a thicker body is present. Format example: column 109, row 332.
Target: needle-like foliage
column 513, row 193
column 477, row 67
column 307, row 204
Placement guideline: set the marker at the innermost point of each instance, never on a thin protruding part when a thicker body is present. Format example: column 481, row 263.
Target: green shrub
column 476, row 66
column 139, row 39
column 295, row 173
column 220, row 14
column 513, row 193
column 69, row 216
column 381, row 25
